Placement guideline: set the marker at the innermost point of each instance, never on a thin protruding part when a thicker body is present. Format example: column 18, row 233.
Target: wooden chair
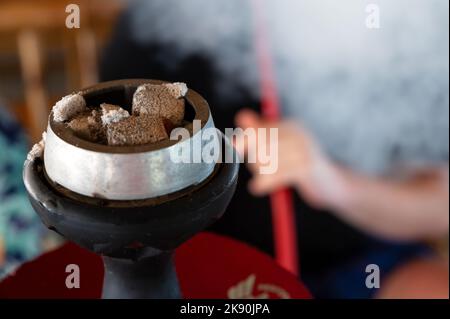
column 35, row 27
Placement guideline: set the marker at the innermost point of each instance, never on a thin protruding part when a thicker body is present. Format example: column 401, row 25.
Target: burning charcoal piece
column 88, row 126
column 177, row 89
column 112, row 113
column 68, row 107
column 164, row 100
column 136, row 130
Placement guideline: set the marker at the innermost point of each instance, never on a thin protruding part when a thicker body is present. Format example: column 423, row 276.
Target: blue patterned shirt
column 21, row 232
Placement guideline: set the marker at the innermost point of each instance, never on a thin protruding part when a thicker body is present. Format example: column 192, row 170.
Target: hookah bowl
column 130, row 204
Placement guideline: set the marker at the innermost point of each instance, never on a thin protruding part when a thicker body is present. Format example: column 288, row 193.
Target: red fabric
column 208, row 265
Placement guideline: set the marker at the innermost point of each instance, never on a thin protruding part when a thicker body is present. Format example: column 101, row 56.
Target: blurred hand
column 412, row 208
column 301, row 163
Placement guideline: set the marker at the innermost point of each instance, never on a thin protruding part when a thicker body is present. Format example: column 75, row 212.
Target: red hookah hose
column 283, row 216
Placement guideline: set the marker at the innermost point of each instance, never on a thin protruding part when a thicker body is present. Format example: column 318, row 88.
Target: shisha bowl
column 129, row 204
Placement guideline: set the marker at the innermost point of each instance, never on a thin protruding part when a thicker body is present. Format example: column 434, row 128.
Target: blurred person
column 366, row 143
column 412, row 208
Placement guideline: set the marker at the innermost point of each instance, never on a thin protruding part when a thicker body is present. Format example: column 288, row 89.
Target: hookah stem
column 283, row 216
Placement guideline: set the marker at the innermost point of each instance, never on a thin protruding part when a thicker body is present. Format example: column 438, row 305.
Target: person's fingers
column 247, row 118
column 240, row 145
column 261, row 185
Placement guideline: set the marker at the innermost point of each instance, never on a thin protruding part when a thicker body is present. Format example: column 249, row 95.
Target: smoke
column 375, row 99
